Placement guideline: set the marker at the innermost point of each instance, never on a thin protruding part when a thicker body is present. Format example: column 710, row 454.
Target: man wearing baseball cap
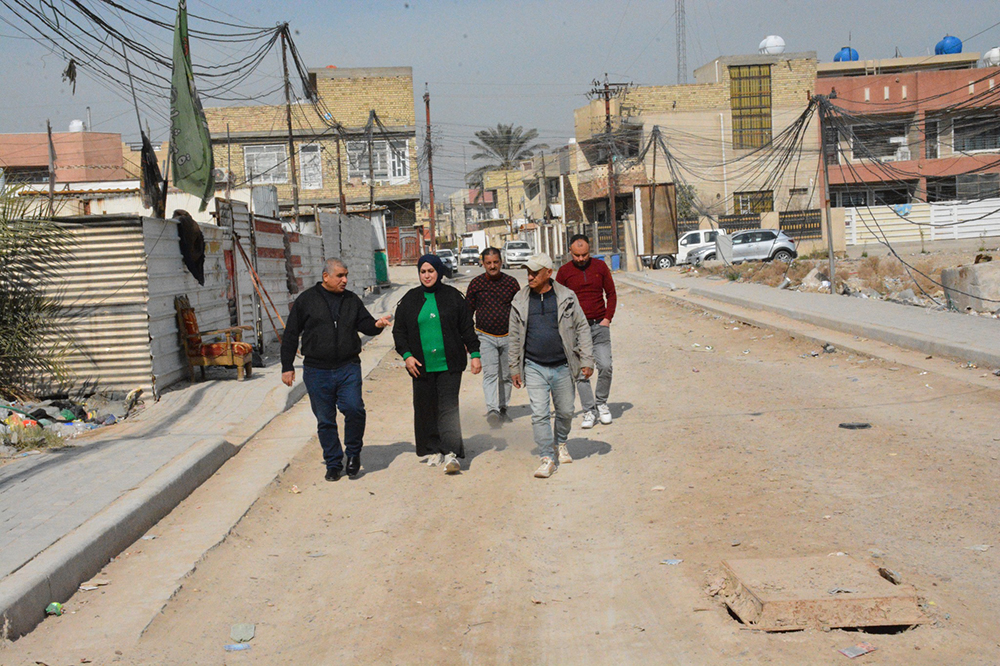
column 550, row 349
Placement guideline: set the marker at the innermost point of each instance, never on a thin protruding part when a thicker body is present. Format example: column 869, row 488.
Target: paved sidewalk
column 65, row 511
column 949, row 334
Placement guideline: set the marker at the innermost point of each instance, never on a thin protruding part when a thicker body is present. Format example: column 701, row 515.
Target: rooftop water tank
column 845, row 54
column 948, row 46
column 77, row 126
column 992, row 57
column 772, row 45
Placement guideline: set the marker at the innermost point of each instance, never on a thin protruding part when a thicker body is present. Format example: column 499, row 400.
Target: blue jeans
column 328, row 391
column 542, row 383
column 496, row 370
column 601, row 335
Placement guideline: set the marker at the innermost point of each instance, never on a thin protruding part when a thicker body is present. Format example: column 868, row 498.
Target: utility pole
column 288, row 119
column 826, row 189
column 430, row 165
column 682, row 53
column 371, row 164
column 606, row 91
column 543, row 191
column 340, row 179
column 52, row 172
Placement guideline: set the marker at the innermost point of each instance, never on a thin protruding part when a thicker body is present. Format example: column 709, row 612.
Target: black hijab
column 435, row 262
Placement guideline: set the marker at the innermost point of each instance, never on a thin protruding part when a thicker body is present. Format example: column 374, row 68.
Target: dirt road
column 408, row 566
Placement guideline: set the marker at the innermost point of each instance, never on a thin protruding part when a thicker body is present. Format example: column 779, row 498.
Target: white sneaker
column 604, row 413
column 451, row 465
column 546, row 469
column 435, row 459
column 564, row 456
column 588, row 421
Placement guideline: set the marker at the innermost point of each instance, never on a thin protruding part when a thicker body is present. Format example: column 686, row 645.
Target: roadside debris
column 856, row 426
column 857, row 650
column 656, row 489
column 37, row 424
column 236, row 647
column 55, row 608
column 890, row 575
column 242, row 632
column 671, row 562
column 829, row 349
column 982, row 548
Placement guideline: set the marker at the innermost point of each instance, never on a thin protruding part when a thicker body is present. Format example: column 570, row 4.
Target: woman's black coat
column 456, row 326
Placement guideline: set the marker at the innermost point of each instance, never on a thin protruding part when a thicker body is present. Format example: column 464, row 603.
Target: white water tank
column 772, row 45
column 992, row 57
column 77, row 126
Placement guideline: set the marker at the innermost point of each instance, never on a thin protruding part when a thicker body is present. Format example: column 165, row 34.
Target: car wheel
column 783, row 256
column 663, row 261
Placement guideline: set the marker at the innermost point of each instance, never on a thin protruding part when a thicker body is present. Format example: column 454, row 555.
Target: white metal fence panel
column 903, row 223
column 966, row 221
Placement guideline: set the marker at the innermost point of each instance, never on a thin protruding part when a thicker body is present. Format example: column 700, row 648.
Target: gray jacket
column 573, row 329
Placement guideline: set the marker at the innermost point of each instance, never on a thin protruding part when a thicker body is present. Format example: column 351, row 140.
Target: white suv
column 515, row 253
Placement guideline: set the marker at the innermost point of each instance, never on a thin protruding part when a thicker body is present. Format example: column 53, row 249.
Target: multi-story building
column 912, row 129
column 718, row 131
column 253, row 142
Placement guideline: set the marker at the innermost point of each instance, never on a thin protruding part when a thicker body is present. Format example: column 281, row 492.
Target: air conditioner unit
column 902, row 154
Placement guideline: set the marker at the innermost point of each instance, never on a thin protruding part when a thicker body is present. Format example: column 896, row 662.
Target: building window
column 750, row 99
column 390, row 161
column 880, row 140
column 931, row 139
column 311, row 166
column 972, row 186
column 976, row 132
column 754, row 202
column 266, row 165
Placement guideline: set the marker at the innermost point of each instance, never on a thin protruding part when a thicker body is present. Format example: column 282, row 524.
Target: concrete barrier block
column 976, row 287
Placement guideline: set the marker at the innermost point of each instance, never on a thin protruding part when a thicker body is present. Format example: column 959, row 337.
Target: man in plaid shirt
column 489, row 296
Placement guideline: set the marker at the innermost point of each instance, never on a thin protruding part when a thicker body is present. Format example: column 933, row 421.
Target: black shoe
column 494, row 419
column 353, row 465
column 504, row 417
column 332, row 474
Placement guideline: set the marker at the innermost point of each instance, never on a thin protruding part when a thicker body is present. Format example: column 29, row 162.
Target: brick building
column 254, row 139
column 79, row 157
column 921, row 128
column 736, row 106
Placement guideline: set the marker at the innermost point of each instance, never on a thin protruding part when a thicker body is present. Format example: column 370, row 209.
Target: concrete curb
column 897, row 337
column 56, row 573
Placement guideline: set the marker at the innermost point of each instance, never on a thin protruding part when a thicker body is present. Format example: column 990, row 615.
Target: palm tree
column 503, row 147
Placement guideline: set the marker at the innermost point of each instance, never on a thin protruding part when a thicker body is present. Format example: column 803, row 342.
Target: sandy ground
column 405, row 565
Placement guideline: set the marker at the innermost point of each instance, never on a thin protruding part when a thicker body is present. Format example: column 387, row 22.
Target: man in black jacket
column 328, row 317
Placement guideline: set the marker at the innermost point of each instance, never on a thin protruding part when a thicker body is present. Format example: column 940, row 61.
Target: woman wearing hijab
column 433, row 333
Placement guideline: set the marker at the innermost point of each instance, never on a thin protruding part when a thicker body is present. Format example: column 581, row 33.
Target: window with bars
column 267, row 165
column 390, row 161
column 976, row 132
column 761, row 201
column 750, row 100
column 311, row 166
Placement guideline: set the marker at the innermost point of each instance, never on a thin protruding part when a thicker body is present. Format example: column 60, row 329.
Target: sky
column 529, row 63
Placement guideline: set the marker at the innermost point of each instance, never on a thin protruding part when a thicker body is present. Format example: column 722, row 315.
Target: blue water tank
column 845, row 54
column 948, row 46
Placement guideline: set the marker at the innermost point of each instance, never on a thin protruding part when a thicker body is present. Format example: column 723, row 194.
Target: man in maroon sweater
column 489, row 296
column 591, row 280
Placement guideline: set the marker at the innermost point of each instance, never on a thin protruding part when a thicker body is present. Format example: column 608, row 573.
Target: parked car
column 469, row 256
column 686, row 244
column 515, row 253
column 447, row 258
column 753, row 245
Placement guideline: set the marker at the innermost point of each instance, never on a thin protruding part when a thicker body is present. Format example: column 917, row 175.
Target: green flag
column 190, row 141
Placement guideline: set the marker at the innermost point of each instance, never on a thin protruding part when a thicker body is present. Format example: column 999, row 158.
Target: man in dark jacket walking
column 328, row 318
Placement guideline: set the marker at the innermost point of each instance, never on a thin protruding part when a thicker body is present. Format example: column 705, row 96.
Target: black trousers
column 437, row 427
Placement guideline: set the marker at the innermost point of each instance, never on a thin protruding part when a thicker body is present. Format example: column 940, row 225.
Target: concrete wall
column 973, row 287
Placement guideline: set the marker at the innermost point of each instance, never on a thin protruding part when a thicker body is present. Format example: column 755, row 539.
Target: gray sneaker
column 564, row 456
column 435, row 459
column 546, row 469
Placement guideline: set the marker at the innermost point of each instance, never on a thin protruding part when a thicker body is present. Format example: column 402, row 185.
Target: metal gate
column 403, row 245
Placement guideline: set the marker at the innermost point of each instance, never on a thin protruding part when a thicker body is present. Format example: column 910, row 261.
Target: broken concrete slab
column 976, row 287
column 787, row 594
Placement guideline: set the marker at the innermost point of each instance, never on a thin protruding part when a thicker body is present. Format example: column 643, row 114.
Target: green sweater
column 431, row 337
